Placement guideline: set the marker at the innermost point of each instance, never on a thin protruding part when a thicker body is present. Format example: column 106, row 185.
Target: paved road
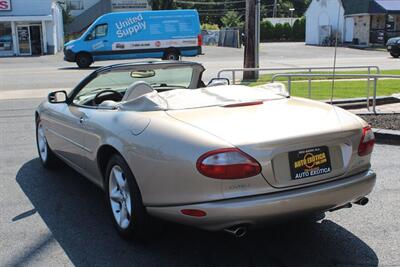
column 55, row 218
column 51, row 72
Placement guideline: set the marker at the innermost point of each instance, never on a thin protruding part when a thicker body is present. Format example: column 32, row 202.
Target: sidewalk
column 389, row 108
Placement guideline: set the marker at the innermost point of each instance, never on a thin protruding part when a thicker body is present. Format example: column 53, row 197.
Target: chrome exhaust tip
column 237, row 231
column 362, row 201
column 345, row 206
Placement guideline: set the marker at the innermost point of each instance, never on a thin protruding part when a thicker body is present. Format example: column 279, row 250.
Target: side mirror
column 218, row 81
column 57, row 97
column 89, row 37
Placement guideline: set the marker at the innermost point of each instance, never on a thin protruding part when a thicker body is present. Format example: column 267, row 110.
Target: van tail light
column 227, row 163
column 199, row 40
column 367, row 141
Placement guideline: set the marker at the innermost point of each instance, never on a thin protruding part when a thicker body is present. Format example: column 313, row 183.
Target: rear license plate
column 309, row 162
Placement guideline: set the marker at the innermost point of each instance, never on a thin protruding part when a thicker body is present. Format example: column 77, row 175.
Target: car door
column 65, row 135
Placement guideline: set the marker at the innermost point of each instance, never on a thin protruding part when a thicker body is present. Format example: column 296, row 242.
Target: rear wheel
column 171, row 55
column 394, row 55
column 84, row 60
column 124, row 200
column 46, row 155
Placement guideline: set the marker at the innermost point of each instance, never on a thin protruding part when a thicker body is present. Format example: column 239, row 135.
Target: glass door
column 24, row 40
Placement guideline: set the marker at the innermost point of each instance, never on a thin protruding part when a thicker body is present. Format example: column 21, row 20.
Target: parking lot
column 58, row 218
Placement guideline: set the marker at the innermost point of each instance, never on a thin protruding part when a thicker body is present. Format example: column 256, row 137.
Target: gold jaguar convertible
column 163, row 144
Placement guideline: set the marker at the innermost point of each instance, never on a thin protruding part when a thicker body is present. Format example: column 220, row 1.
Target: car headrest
column 108, row 104
column 136, row 90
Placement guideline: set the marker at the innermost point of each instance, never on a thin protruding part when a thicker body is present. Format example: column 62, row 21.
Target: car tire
column 171, row 55
column 394, row 55
column 124, row 201
column 84, row 60
column 47, row 157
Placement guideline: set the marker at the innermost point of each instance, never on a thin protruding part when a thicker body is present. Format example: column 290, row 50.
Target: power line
column 209, row 3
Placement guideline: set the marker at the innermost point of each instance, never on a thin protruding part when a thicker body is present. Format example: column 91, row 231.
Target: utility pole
column 250, row 42
column 275, row 10
column 258, row 33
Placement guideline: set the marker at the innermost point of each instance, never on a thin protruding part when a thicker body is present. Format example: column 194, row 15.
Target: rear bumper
column 260, row 209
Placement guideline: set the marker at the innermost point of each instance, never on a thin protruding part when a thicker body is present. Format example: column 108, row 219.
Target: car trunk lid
column 274, row 130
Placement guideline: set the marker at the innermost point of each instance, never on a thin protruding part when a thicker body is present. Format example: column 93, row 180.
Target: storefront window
column 5, row 37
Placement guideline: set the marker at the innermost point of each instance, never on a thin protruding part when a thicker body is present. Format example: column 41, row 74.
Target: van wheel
column 84, row 60
column 394, row 55
column 171, row 55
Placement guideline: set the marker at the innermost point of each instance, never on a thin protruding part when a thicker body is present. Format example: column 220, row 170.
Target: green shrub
column 278, row 32
column 206, row 26
column 267, row 31
column 286, row 32
column 299, row 29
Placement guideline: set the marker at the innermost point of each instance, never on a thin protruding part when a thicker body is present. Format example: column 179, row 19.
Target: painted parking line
column 31, row 93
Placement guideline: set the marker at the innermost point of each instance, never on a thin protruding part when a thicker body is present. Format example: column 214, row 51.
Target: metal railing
column 308, row 69
column 369, row 77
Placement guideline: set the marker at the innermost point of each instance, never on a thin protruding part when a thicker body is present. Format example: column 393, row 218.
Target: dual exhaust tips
column 241, row 230
column 362, row 202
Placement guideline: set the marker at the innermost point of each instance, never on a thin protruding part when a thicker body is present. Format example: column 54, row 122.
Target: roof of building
column 353, row 7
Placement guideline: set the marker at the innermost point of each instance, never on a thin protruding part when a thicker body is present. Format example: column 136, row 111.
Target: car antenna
column 334, row 58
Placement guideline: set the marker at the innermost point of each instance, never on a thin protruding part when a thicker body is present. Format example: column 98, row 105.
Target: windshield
column 119, row 80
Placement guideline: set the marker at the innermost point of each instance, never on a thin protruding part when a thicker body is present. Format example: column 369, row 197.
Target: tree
column 162, row 4
column 66, row 13
column 232, row 19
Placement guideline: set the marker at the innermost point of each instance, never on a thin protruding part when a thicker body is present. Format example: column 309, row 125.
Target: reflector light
column 227, row 163
column 194, row 212
column 367, row 141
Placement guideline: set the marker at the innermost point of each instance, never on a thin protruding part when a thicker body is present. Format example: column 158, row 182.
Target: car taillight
column 227, row 163
column 199, row 40
column 367, row 141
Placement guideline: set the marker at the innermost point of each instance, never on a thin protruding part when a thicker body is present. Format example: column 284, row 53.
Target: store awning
column 26, row 18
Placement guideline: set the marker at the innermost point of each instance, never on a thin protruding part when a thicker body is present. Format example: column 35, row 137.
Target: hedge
column 283, row 32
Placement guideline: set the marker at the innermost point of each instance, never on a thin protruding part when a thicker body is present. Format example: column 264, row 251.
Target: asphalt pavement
column 37, row 75
column 57, row 218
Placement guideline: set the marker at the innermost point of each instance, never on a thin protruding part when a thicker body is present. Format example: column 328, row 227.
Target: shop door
column 24, row 41
column 36, row 40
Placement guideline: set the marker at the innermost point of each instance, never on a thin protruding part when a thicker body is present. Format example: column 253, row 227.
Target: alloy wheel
column 120, row 198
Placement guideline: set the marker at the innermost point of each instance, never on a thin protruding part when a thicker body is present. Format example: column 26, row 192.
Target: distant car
column 219, row 157
column 393, row 46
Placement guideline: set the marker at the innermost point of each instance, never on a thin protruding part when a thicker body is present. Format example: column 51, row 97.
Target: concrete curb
column 384, row 136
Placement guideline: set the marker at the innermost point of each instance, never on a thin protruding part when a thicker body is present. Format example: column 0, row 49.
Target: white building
column 361, row 22
column 30, row 27
column 322, row 20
